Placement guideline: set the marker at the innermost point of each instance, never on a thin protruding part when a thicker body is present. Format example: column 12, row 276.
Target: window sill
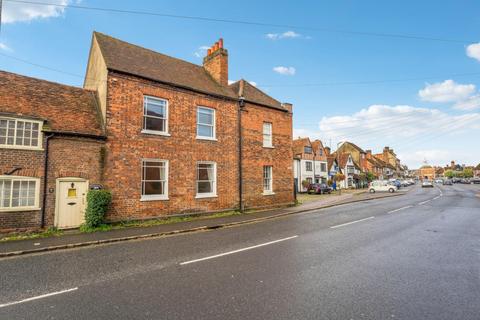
column 19, row 209
column 206, row 138
column 269, row 147
column 156, row 133
column 205, row 196
column 21, row 148
column 268, row 193
column 154, row 198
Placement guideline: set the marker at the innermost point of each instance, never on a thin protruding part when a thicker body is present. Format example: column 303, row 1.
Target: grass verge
column 51, row 232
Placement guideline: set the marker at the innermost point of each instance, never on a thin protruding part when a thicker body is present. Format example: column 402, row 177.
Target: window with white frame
column 205, row 123
column 267, row 135
column 18, row 193
column 206, row 179
column 20, row 133
column 308, row 166
column 323, row 167
column 154, row 179
column 155, row 115
column 267, row 179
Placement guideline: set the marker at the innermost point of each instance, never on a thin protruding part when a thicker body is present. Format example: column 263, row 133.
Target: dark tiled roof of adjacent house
column 254, row 95
column 65, row 108
column 317, row 145
column 299, row 144
column 132, row 59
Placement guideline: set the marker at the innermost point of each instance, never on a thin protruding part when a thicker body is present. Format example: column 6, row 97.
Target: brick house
column 477, row 171
column 309, row 162
column 389, row 156
column 172, row 137
column 51, row 148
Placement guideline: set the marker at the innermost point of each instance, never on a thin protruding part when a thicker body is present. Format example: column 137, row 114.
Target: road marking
column 236, row 251
column 437, row 197
column 37, row 297
column 352, row 222
column 400, row 209
column 423, row 202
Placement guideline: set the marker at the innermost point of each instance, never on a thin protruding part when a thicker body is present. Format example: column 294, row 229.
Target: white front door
column 71, row 203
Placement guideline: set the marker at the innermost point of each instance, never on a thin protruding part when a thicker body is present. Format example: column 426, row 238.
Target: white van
column 381, row 186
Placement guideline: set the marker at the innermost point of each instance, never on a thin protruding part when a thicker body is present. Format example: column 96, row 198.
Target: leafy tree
column 371, row 176
column 449, row 174
column 468, row 173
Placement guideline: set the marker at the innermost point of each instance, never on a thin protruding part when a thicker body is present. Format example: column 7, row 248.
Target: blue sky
column 435, row 117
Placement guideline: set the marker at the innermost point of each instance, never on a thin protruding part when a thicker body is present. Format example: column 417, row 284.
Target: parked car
column 447, row 182
column 475, row 181
column 395, row 182
column 319, row 188
column 439, row 181
column 465, row 181
column 427, row 184
column 382, row 186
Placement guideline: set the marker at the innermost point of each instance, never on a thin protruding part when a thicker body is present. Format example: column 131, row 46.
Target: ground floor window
column 154, row 179
column 18, row 193
column 267, row 179
column 206, row 179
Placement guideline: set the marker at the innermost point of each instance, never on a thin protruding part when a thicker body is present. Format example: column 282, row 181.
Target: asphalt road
column 411, row 257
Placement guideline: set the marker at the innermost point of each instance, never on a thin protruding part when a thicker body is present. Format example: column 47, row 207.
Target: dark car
column 447, row 182
column 319, row 188
column 475, row 181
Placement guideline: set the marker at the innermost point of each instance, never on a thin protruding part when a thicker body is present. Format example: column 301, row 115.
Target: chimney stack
column 327, row 151
column 216, row 62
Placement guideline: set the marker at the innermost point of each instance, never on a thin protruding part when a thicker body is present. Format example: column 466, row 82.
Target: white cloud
column 432, row 157
column 23, row 12
column 408, row 130
column 447, row 91
column 469, row 104
column 290, row 71
column 473, row 51
column 201, row 51
column 4, row 47
column 285, row 35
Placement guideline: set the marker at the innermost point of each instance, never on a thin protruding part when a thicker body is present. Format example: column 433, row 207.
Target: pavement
column 409, row 257
column 77, row 239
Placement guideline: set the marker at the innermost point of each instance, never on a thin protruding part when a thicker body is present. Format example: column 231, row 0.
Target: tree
column 371, row 176
column 449, row 174
column 468, row 173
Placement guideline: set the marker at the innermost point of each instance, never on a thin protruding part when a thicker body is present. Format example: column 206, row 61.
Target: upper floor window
column 320, row 152
column 18, row 193
column 323, row 167
column 206, row 179
column 154, row 179
column 267, row 180
column 19, row 133
column 267, row 135
column 307, row 149
column 308, row 166
column 205, row 123
column 155, row 115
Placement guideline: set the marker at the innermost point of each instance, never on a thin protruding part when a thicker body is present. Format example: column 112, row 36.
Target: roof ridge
column 148, row 49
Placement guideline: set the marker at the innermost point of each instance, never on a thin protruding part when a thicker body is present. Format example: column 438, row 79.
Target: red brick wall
column 255, row 156
column 127, row 146
column 68, row 157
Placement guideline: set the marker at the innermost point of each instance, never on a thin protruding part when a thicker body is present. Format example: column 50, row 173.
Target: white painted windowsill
column 205, row 196
column 156, row 133
column 19, row 209
column 154, row 198
column 268, row 193
column 269, row 147
column 206, row 138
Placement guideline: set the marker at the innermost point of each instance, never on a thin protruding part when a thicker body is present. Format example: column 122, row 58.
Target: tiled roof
column 342, row 159
column 65, row 108
column 330, row 160
column 298, row 145
column 131, row 59
column 254, row 95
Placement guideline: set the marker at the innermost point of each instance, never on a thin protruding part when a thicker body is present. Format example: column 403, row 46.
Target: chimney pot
column 220, row 43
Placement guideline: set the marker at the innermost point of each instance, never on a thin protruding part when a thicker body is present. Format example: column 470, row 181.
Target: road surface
column 415, row 256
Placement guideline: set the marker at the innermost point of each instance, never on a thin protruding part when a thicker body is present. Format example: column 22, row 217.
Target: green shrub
column 97, row 205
